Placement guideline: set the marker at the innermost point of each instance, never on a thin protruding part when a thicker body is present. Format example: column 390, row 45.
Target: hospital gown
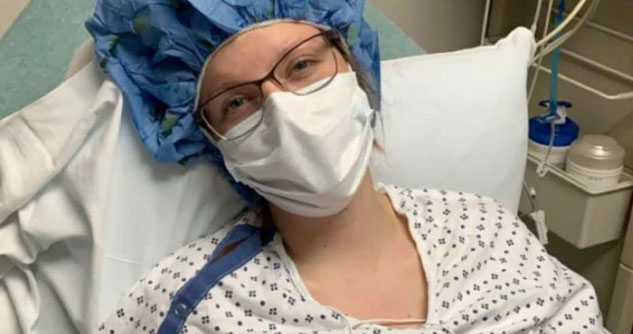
column 485, row 271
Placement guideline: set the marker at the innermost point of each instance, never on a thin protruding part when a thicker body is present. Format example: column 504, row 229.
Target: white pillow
column 458, row 121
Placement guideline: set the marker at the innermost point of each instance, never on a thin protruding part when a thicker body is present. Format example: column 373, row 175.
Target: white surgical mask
column 310, row 153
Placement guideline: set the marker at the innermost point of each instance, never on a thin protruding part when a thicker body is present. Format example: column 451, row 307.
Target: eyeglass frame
column 331, row 35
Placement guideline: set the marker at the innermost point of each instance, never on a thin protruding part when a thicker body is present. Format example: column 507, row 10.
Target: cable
column 550, row 6
column 531, row 196
column 563, row 25
column 484, row 26
column 566, row 36
column 544, row 50
column 534, row 25
column 543, row 166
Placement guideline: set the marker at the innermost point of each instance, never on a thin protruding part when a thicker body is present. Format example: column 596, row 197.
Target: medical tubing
column 532, row 198
column 549, row 148
column 544, row 50
column 553, row 87
column 581, row 22
column 550, row 6
column 534, row 25
column 563, row 25
column 566, row 36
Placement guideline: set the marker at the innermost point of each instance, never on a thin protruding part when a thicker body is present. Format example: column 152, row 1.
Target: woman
column 326, row 250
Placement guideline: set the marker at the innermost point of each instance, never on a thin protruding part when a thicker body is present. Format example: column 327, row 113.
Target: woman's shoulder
column 445, row 202
column 448, row 214
column 145, row 305
column 484, row 264
column 447, row 197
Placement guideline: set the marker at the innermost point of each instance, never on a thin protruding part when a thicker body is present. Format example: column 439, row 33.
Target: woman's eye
column 300, row 66
column 235, row 103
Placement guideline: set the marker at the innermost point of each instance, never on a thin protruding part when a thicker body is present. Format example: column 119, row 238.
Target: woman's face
column 251, row 56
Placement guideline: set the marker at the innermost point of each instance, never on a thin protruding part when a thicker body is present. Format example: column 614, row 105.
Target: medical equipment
column 553, row 89
column 550, row 37
column 557, row 35
column 552, row 149
column 582, row 21
column 596, row 160
column 548, row 150
column 555, row 38
column 559, row 125
column 546, row 128
column 581, row 215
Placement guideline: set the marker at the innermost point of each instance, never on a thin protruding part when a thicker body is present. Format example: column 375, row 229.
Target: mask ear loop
column 373, row 116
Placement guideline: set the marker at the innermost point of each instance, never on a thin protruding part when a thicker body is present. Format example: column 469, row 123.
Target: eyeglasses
column 306, row 68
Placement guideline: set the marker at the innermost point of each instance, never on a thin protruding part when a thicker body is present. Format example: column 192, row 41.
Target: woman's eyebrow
column 228, row 84
column 232, row 83
column 224, row 85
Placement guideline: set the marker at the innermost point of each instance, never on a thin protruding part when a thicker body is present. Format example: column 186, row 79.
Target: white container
column 581, row 215
column 557, row 156
column 592, row 177
column 596, row 160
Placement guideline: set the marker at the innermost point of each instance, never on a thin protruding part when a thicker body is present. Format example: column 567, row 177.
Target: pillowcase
column 457, row 121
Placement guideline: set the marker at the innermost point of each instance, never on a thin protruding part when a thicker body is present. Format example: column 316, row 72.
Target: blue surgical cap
column 154, row 50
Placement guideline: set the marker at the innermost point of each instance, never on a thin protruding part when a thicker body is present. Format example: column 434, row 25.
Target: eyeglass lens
column 302, row 71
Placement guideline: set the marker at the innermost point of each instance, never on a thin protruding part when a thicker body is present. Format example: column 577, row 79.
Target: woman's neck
column 358, row 233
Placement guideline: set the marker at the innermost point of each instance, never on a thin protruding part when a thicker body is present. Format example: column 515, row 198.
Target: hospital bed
column 85, row 210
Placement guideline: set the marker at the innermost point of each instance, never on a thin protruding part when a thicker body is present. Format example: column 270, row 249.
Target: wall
column 437, row 25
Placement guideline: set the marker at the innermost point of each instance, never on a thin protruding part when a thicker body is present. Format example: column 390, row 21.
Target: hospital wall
column 438, row 26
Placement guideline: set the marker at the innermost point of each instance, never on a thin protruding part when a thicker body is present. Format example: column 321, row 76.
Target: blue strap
column 252, row 240
column 235, row 235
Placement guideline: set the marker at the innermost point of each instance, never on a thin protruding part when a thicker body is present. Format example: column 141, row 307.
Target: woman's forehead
column 252, row 54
